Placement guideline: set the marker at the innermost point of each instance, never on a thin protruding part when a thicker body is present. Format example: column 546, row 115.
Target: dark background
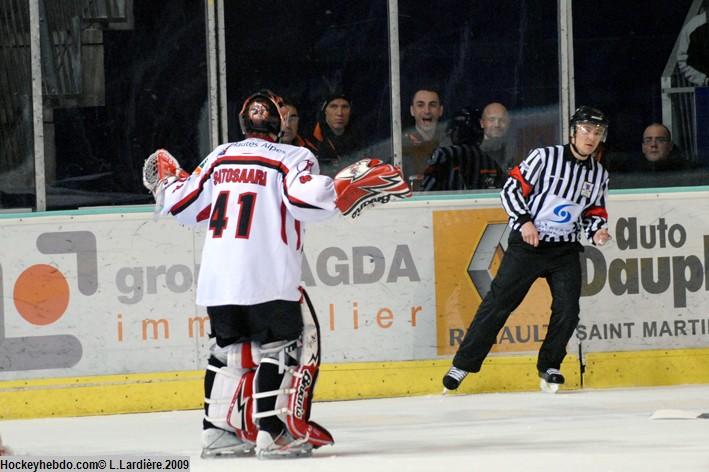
column 474, row 52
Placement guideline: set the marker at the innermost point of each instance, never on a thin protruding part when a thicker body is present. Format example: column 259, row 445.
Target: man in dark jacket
column 334, row 141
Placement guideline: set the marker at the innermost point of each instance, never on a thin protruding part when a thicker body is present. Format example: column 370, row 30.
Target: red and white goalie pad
column 159, row 167
column 230, row 405
column 299, row 403
column 366, row 183
column 295, row 396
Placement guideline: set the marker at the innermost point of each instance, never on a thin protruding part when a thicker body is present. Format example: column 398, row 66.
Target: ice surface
column 587, row 430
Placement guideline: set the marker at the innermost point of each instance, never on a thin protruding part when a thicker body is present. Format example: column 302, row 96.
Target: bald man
column 495, row 122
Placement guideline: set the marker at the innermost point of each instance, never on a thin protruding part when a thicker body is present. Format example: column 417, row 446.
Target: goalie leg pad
column 229, row 398
column 299, row 403
column 276, row 362
column 294, row 393
column 303, row 382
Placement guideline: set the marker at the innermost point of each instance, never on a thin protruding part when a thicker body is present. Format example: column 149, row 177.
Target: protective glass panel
column 122, row 78
column 330, row 59
column 648, row 73
column 17, row 189
column 474, row 54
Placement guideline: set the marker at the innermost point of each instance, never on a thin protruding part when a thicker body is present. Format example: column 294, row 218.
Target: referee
column 550, row 197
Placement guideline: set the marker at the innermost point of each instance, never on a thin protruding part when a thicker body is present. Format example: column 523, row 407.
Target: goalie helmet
column 261, row 114
column 590, row 115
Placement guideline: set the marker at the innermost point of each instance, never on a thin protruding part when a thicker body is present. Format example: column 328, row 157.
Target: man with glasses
column 550, row 196
column 660, row 154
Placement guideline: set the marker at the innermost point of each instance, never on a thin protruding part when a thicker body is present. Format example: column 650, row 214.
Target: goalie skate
column 217, row 443
column 550, row 380
column 283, row 447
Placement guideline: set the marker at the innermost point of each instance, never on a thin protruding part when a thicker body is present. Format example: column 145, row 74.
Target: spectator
column 334, row 141
column 659, row 152
column 462, row 166
column 289, row 134
column 495, row 122
column 418, row 144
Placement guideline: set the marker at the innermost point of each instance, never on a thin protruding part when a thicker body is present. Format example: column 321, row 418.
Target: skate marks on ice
column 588, row 430
column 679, row 415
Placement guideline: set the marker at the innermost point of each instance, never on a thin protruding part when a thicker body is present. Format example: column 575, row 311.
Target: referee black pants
column 521, row 265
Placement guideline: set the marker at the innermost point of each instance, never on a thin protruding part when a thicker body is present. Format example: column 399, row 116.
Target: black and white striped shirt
column 558, row 193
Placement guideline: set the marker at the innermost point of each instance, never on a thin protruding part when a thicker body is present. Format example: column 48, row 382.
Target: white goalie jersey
column 254, row 196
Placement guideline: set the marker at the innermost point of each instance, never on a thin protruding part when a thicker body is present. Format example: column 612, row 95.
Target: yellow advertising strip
column 135, row 393
column 646, row 368
column 110, row 394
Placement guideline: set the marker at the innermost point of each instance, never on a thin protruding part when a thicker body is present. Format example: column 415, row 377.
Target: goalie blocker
column 366, row 183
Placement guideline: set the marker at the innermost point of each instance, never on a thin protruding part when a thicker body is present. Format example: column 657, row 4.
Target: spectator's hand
column 601, row 237
column 530, row 234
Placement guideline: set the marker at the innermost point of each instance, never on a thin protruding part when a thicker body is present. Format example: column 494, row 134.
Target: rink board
column 98, row 310
column 132, row 393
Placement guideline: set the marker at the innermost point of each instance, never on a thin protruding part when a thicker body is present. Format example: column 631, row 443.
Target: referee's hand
column 601, row 237
column 530, row 234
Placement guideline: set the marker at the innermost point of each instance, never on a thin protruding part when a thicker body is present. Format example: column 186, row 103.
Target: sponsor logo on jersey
column 563, row 214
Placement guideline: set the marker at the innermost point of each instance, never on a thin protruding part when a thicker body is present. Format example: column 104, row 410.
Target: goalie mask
column 261, row 114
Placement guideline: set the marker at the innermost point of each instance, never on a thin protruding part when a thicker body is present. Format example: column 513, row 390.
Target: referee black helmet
column 590, row 115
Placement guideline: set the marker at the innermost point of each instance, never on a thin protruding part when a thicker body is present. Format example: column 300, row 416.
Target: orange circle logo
column 41, row 294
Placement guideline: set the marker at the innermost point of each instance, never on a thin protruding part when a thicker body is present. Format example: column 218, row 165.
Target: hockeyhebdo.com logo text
column 657, row 262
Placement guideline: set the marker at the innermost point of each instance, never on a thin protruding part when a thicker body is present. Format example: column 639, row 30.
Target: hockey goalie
column 254, row 196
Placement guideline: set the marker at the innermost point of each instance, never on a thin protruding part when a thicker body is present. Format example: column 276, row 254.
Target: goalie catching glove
column 161, row 167
column 366, row 183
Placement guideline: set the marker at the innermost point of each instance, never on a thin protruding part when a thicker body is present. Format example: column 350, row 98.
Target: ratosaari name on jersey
column 558, row 193
column 254, row 196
